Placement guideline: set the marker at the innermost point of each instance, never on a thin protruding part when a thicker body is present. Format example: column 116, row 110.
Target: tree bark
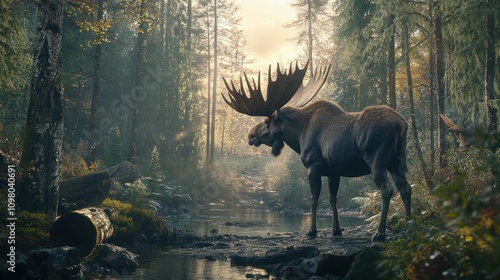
column 43, row 136
column 491, row 111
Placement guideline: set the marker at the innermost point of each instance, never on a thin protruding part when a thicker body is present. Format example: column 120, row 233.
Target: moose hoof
column 378, row 237
column 312, row 233
column 337, row 232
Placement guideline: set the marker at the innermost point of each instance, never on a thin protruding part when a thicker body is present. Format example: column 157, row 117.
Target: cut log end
column 84, row 229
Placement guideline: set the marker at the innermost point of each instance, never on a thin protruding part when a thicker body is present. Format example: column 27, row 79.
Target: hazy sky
column 267, row 39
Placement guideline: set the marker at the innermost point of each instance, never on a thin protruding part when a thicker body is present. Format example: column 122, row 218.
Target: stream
column 219, row 219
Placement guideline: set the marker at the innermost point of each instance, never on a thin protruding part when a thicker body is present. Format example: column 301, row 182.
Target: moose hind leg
column 382, row 182
column 404, row 189
column 333, row 183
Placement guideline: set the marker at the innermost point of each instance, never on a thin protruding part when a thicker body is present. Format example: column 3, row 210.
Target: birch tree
column 39, row 168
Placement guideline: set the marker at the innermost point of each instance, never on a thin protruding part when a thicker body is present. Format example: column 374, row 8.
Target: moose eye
column 267, row 122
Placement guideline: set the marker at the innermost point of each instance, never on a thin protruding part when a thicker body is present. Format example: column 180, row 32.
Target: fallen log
column 82, row 191
column 84, row 229
column 91, row 189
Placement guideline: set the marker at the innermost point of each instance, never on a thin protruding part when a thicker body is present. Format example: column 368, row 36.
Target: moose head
column 286, row 89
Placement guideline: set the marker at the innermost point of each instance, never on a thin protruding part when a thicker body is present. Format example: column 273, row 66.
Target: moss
column 130, row 222
column 32, row 232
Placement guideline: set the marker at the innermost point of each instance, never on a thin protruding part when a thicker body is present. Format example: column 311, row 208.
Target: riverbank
column 233, row 256
column 222, row 247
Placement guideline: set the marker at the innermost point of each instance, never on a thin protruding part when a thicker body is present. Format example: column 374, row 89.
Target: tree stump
column 84, row 229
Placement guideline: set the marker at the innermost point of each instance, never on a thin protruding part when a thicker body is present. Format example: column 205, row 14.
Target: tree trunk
column 440, row 67
column 406, row 54
column 138, row 90
column 310, row 35
column 432, row 92
column 214, row 89
column 208, row 161
column 43, row 136
column 491, row 110
column 95, row 91
column 391, row 65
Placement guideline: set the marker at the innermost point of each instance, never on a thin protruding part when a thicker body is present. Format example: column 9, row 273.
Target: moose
column 331, row 142
column 465, row 137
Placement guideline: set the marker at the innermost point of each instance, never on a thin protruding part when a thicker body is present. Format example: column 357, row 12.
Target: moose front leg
column 315, row 184
column 333, row 183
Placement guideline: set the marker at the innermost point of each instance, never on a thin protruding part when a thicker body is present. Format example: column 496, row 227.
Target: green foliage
column 154, row 167
column 15, row 51
column 401, row 252
column 459, row 238
column 130, row 222
column 32, row 231
column 473, row 165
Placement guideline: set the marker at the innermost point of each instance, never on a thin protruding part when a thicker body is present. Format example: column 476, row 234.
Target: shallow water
column 239, row 220
column 244, row 220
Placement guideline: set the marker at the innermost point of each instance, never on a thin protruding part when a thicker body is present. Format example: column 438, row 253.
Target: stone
column 274, row 257
column 55, row 263
column 114, row 257
column 365, row 265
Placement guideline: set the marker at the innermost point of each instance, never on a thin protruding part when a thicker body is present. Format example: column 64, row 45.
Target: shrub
column 459, row 238
column 73, row 163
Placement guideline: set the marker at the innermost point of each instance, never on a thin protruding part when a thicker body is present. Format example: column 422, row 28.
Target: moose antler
column 286, row 87
column 306, row 93
column 454, row 127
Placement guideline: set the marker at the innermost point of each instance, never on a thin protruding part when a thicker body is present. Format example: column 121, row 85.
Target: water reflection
column 251, row 221
column 173, row 266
